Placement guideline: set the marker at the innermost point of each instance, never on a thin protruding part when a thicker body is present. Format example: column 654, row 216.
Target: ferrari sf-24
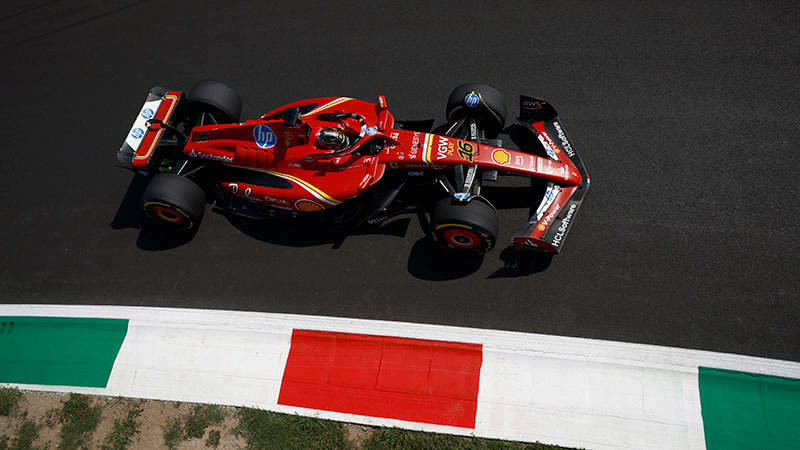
column 350, row 163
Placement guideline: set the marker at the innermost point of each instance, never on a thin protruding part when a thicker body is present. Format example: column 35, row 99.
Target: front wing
column 547, row 228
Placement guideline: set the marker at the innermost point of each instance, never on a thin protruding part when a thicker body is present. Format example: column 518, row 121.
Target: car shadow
column 426, row 260
column 129, row 214
column 307, row 234
column 520, row 263
column 151, row 237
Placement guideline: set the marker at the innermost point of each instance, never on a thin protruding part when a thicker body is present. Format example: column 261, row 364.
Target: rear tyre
column 481, row 101
column 213, row 97
column 174, row 202
column 464, row 227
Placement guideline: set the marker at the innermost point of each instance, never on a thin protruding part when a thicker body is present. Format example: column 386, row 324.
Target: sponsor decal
column 306, row 205
column 221, row 158
column 564, row 142
column 393, row 164
column 378, row 219
column 137, row 133
column 148, row 113
column 233, row 187
column 547, row 148
column 550, row 141
column 461, row 196
column 444, row 148
column 470, row 177
column 549, row 196
column 371, row 131
column 276, row 201
column 501, row 157
column 546, row 221
column 532, row 104
column 466, row 150
column 473, row 130
column 564, row 225
column 415, row 138
column 471, row 99
column 415, row 173
column 288, row 138
column 264, row 136
column 519, row 160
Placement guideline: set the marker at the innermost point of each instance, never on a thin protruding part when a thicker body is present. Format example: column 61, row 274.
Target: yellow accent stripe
column 328, row 105
column 158, row 134
column 452, row 111
column 427, row 152
column 453, row 225
column 309, row 187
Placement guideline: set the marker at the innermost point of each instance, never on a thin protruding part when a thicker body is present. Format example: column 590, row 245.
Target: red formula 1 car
column 352, row 163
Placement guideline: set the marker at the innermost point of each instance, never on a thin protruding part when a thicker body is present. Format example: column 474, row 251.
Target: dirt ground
column 42, row 408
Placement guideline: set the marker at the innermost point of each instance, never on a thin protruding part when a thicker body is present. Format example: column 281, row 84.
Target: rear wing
column 547, row 228
column 139, row 148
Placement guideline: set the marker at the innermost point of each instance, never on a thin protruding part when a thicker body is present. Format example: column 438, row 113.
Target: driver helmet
column 331, row 137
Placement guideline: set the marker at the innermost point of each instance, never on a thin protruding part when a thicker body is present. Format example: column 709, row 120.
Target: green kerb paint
column 749, row 411
column 58, row 350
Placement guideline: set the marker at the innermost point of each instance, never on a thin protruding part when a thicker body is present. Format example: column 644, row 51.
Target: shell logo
column 542, row 227
column 305, row 205
column 500, row 156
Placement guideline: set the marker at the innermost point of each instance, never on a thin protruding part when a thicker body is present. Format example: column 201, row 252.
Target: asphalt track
column 686, row 115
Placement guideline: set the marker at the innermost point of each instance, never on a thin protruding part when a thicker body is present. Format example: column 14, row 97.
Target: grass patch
column 173, row 433
column 396, row 438
column 3, row 442
column 213, row 439
column 9, row 399
column 79, row 420
column 124, row 430
column 200, row 418
column 266, row 429
column 28, row 433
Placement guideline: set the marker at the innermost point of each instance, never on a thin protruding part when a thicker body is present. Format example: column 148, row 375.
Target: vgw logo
column 264, row 136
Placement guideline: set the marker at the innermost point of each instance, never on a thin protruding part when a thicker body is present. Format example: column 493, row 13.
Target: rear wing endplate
column 139, row 147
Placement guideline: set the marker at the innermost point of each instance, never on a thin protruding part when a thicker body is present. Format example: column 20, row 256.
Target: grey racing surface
column 685, row 113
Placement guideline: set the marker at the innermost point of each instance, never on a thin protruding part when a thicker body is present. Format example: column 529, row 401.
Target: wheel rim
column 462, row 238
column 168, row 214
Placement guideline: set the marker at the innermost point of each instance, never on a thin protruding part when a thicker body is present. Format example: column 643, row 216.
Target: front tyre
column 464, row 227
column 209, row 96
column 483, row 102
column 174, row 202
